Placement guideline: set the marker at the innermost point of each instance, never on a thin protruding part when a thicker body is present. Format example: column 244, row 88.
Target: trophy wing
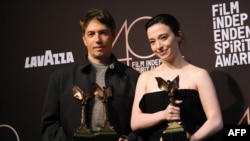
column 175, row 83
column 168, row 85
column 77, row 93
column 108, row 91
column 162, row 84
column 97, row 90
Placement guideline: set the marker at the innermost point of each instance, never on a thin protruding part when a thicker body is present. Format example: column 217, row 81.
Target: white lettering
column 70, row 58
column 231, row 132
column 232, row 59
column 49, row 59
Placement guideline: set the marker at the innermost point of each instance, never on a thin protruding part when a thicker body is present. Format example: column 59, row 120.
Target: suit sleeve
column 52, row 129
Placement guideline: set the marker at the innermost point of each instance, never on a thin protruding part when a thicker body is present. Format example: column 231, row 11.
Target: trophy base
column 107, row 130
column 83, row 132
column 174, row 132
column 105, row 134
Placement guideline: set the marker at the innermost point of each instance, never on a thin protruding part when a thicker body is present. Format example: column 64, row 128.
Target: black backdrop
column 39, row 36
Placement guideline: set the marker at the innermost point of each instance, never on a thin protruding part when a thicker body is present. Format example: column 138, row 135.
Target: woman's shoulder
column 198, row 71
column 197, row 76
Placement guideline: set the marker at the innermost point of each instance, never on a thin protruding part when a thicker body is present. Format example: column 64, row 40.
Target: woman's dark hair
column 166, row 19
column 102, row 15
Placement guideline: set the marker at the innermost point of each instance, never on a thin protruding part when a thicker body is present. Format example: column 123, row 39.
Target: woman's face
column 163, row 41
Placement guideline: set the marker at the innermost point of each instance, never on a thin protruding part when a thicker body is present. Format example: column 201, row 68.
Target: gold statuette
column 82, row 96
column 104, row 94
column 174, row 131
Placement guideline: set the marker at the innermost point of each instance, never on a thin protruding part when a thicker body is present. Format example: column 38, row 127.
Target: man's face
column 98, row 39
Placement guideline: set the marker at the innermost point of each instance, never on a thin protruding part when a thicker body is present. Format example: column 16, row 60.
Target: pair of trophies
column 173, row 132
column 107, row 131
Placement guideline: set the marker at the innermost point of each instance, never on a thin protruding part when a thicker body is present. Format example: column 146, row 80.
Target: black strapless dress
column 192, row 114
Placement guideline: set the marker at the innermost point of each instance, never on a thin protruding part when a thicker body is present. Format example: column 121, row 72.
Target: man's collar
column 85, row 63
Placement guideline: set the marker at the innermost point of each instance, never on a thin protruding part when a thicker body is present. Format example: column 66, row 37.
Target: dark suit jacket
column 62, row 112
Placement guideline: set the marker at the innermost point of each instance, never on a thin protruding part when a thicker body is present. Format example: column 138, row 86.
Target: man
column 62, row 111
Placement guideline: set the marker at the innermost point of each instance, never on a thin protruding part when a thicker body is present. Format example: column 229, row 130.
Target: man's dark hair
column 102, row 15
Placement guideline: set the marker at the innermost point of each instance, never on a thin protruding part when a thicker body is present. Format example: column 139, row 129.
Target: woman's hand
column 172, row 112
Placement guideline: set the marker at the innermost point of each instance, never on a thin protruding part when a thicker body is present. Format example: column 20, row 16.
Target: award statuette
column 79, row 94
column 174, row 131
column 103, row 94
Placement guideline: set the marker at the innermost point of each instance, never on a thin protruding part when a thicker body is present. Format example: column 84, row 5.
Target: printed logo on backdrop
column 10, row 128
column 231, row 35
column 49, row 58
column 141, row 63
column 131, row 54
column 245, row 119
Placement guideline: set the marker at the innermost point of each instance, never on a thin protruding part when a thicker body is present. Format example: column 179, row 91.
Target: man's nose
column 98, row 38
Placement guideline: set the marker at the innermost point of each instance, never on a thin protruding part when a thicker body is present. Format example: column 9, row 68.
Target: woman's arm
column 210, row 105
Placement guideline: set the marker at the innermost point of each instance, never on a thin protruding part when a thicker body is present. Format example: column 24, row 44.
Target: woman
column 195, row 105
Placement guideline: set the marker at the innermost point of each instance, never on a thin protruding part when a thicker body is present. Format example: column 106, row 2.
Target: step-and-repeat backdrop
column 37, row 37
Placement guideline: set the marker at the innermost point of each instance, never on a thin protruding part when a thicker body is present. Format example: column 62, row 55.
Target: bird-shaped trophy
column 82, row 96
column 104, row 94
column 174, row 131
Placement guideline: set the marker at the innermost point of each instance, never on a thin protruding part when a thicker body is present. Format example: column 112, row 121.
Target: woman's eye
column 164, row 38
column 151, row 42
